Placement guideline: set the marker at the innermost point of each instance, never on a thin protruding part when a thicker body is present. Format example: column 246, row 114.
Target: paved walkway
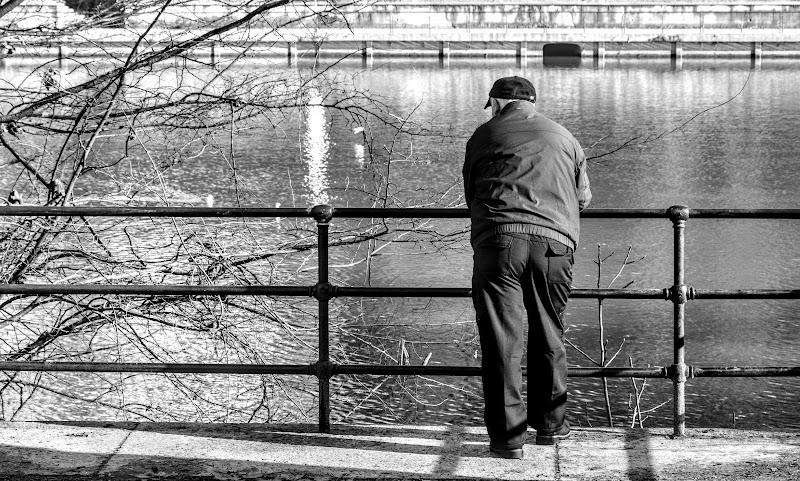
column 128, row 451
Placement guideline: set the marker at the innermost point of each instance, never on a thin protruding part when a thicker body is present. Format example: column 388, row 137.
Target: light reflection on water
column 316, row 148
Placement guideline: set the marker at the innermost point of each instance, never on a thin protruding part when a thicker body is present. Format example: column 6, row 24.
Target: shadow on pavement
column 62, row 465
column 103, row 450
column 450, row 452
column 451, row 441
column 641, row 465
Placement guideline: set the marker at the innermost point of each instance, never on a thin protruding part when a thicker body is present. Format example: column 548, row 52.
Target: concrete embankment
column 667, row 14
column 451, row 28
column 100, row 43
column 664, row 14
column 128, row 451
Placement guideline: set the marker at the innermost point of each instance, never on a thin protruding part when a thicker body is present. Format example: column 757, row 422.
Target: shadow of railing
column 229, row 451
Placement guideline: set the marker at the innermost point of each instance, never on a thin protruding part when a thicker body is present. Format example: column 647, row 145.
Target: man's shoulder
column 546, row 124
column 483, row 130
column 523, row 118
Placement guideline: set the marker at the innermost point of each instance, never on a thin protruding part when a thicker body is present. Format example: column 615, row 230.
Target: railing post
column 444, row 50
column 367, row 49
column 678, row 372
column 291, row 53
column 323, row 293
column 599, row 50
column 756, row 52
column 676, row 50
column 522, row 50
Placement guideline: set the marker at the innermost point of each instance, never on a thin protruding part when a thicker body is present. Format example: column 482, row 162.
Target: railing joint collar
column 678, row 214
column 323, row 369
column 322, row 213
column 679, row 372
column 679, row 294
column 323, row 291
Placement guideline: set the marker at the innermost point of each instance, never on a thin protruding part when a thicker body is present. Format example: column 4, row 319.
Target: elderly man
column 525, row 182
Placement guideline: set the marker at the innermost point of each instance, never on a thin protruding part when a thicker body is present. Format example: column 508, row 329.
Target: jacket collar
column 520, row 105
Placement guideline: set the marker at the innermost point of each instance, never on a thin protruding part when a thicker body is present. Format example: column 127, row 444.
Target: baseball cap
column 512, row 88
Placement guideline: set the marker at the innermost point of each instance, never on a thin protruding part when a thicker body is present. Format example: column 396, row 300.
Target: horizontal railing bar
column 151, row 289
column 403, row 292
column 148, row 367
column 745, row 213
column 744, row 371
column 379, row 370
column 384, row 370
column 746, row 294
column 310, row 369
column 307, row 291
column 651, row 372
column 175, row 290
column 360, row 212
column 116, row 211
column 398, row 213
column 618, row 294
column 466, row 292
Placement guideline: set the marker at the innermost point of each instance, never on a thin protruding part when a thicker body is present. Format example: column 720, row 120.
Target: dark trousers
column 519, row 277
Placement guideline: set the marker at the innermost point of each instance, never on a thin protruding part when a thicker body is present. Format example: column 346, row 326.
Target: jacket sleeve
column 582, row 180
column 469, row 192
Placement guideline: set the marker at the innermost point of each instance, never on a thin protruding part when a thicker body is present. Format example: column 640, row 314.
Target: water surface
column 706, row 133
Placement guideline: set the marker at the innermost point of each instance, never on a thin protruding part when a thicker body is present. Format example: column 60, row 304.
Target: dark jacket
column 525, row 173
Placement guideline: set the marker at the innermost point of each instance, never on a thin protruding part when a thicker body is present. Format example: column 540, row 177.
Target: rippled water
column 713, row 134
column 707, row 134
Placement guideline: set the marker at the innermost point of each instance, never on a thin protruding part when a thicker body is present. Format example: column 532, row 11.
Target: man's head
column 512, row 88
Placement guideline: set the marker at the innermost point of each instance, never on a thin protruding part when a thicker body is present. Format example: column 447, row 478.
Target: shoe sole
column 507, row 453
column 547, row 440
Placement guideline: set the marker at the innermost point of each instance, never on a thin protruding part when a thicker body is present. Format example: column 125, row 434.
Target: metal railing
column 679, row 293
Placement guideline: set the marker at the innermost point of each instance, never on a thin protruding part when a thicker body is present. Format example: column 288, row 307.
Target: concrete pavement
column 128, row 451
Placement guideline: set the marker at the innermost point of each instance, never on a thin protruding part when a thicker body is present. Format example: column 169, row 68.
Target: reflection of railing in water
column 324, row 291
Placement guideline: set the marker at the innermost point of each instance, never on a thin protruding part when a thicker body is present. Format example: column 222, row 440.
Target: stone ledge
column 127, row 451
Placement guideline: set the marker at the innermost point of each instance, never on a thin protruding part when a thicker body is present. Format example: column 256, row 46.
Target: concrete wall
column 526, row 15
column 36, row 13
column 462, row 14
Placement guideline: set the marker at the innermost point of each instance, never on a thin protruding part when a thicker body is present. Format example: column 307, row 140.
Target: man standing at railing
column 525, row 182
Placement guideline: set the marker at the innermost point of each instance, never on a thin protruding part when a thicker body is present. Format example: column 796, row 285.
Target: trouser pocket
column 559, row 276
column 493, row 256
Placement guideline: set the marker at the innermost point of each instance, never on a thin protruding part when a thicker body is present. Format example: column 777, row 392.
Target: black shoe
column 507, row 453
column 553, row 437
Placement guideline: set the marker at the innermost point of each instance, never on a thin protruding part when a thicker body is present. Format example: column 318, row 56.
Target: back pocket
column 559, row 262
column 492, row 256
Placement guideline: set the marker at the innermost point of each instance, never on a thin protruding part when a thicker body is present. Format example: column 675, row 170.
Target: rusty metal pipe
column 678, row 371
column 746, row 293
column 154, row 367
column 322, row 214
column 380, row 370
column 151, row 290
column 307, row 369
column 336, row 291
column 745, row 371
column 364, row 212
column 118, row 211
